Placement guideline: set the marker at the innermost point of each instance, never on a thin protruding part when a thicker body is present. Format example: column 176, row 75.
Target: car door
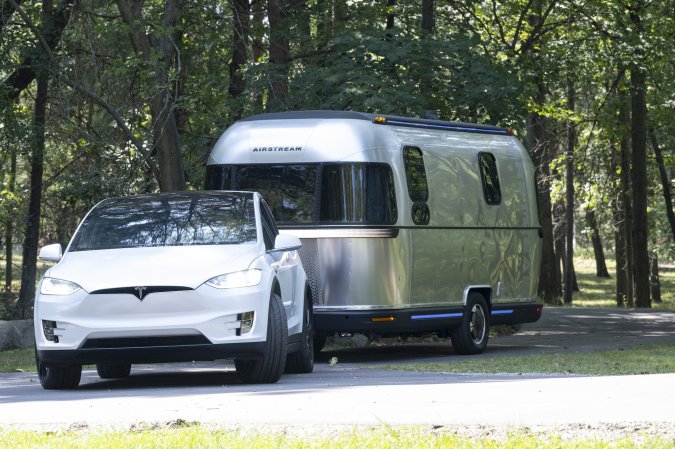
column 285, row 262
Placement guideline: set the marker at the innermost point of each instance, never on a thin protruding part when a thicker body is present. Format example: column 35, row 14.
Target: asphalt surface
column 349, row 393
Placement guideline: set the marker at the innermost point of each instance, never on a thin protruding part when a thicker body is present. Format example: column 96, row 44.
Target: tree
column 160, row 51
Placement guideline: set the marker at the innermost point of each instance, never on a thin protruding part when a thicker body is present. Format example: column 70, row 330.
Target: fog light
column 246, row 320
column 48, row 329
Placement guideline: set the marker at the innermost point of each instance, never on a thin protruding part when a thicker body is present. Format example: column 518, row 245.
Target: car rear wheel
column 270, row 367
column 113, row 370
column 302, row 361
column 58, row 377
column 471, row 336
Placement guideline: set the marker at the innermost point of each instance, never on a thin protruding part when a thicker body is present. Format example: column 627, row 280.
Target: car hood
column 185, row 266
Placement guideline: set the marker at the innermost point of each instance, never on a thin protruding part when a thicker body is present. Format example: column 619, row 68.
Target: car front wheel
column 270, row 367
column 58, row 377
column 302, row 361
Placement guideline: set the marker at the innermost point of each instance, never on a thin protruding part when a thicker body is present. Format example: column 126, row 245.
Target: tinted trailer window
column 349, row 193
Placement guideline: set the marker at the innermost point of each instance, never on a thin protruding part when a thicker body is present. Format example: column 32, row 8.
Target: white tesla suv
column 174, row 277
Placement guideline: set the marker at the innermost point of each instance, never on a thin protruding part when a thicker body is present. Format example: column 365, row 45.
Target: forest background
column 103, row 98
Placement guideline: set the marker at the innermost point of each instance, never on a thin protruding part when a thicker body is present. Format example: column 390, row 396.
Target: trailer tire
column 471, row 336
column 270, row 367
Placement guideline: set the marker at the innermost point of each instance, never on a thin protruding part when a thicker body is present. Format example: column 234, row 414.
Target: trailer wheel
column 471, row 336
column 302, row 361
column 270, row 367
column 57, row 377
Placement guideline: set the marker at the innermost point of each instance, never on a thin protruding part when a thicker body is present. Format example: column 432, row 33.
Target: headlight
column 51, row 286
column 247, row 278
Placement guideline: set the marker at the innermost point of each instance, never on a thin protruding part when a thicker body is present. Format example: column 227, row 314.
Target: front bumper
column 200, row 324
column 153, row 354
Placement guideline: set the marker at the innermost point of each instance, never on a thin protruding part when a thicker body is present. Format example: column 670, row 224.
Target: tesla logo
column 139, row 292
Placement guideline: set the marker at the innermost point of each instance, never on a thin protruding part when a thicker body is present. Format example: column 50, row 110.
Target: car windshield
column 168, row 220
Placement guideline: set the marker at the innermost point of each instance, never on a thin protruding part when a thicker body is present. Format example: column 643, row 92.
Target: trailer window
column 347, row 193
column 489, row 178
column 415, row 174
column 358, row 193
column 290, row 190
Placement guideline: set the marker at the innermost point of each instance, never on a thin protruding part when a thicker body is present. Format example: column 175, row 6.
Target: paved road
column 348, row 394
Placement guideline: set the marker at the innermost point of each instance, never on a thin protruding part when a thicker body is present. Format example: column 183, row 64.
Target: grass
column 599, row 292
column 17, row 360
column 652, row 359
column 383, row 437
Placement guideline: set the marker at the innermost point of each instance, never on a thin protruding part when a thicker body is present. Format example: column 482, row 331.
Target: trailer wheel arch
column 484, row 290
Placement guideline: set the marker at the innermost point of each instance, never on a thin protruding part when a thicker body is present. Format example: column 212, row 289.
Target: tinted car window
column 168, row 220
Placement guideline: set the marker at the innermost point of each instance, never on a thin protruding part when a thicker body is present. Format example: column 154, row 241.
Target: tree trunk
column 340, row 15
column 52, row 30
column 391, row 16
column 9, row 226
column 164, row 130
column 427, row 57
column 32, row 233
column 277, row 13
column 569, row 196
column 598, row 251
column 241, row 10
column 550, row 288
column 625, row 199
column 620, row 256
column 654, row 279
column 665, row 181
column 639, row 170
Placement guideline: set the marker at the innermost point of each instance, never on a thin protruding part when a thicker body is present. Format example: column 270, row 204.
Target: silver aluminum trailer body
column 403, row 221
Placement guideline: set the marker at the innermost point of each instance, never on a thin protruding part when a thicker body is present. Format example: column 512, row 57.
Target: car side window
column 269, row 226
column 489, row 178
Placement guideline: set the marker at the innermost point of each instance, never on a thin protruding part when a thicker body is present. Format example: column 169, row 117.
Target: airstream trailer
column 408, row 225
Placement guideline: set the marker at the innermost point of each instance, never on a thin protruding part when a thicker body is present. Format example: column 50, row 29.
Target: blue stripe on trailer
column 502, row 312
column 435, row 316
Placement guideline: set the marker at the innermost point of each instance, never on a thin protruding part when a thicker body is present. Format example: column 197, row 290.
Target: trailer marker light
column 502, row 312
column 382, row 319
column 380, row 119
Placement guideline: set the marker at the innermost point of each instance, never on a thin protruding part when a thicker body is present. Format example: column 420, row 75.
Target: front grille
column 145, row 342
column 140, row 292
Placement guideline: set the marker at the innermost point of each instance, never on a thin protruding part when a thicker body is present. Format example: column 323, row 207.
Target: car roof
column 178, row 196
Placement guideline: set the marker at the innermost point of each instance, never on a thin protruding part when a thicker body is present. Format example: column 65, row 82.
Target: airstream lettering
column 408, row 225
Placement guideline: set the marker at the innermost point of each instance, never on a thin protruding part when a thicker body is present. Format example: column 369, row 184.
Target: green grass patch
column 600, row 292
column 17, row 359
column 652, row 359
column 386, row 437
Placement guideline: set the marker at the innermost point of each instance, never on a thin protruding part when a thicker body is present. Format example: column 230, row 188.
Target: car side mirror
column 285, row 242
column 51, row 253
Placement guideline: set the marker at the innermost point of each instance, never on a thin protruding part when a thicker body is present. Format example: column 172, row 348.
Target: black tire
column 471, row 336
column 113, row 370
column 58, row 377
column 319, row 343
column 302, row 361
column 270, row 367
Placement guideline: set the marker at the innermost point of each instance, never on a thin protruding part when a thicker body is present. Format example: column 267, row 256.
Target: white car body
column 161, row 304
